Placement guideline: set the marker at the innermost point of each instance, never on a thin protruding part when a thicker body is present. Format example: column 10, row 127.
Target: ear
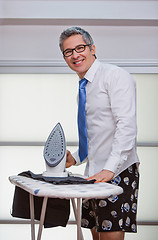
column 93, row 49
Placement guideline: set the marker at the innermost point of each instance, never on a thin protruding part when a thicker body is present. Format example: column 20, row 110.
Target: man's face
column 79, row 62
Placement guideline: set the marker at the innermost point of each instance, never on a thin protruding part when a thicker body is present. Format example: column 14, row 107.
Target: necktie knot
column 82, row 83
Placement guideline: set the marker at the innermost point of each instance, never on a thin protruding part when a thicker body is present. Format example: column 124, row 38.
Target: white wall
column 125, row 32
column 119, row 43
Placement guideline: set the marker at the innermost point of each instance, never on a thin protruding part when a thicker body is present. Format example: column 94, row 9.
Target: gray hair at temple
column 74, row 31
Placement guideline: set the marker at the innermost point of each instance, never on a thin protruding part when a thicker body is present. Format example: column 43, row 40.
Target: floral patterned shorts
column 116, row 213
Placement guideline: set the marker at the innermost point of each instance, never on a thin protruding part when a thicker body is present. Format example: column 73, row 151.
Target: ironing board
column 78, row 191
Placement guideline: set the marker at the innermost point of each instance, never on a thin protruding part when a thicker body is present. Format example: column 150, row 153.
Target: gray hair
column 74, row 31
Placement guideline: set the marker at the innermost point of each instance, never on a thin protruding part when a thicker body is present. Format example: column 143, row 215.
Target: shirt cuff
column 113, row 164
column 76, row 157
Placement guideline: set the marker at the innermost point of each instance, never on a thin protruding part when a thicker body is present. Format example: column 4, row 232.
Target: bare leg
column 95, row 234
column 112, row 235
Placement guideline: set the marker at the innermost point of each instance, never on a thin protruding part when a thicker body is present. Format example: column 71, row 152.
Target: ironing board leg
column 32, row 217
column 75, row 213
column 79, row 219
column 43, row 211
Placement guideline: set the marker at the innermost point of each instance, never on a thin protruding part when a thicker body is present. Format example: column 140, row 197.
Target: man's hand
column 70, row 160
column 103, row 176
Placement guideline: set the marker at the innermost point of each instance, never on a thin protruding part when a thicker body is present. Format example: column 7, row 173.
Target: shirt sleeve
column 77, row 158
column 122, row 95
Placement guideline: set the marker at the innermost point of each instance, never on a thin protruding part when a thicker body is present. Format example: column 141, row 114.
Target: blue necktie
column 82, row 128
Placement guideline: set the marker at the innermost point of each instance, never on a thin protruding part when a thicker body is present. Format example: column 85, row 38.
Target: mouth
column 78, row 62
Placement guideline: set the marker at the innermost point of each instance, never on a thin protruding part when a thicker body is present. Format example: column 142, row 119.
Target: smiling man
column 82, row 54
column 107, row 136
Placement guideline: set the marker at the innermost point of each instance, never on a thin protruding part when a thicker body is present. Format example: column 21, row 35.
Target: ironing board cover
column 41, row 189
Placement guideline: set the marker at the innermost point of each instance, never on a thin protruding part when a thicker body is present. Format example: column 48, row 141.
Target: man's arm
column 123, row 106
column 103, row 176
column 122, row 95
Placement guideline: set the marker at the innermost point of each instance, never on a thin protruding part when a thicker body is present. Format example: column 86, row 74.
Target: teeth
column 78, row 62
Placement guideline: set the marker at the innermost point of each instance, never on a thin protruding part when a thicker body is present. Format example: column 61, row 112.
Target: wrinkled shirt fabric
column 111, row 119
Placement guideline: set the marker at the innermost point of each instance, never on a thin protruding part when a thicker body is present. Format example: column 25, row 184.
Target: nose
column 75, row 54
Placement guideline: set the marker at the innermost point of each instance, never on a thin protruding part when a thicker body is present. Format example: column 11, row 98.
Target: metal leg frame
column 43, row 211
column 42, row 217
column 32, row 217
column 77, row 213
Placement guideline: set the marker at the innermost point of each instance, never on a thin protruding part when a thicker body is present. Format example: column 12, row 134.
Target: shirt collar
column 92, row 70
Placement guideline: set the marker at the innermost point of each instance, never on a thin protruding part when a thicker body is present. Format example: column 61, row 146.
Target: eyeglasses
column 78, row 49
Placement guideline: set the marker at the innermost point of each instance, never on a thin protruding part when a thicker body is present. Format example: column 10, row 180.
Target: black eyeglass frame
column 72, row 49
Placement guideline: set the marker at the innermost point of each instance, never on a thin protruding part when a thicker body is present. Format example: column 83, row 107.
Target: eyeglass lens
column 78, row 49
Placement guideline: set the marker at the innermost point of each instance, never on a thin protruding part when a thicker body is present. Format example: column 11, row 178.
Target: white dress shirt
column 111, row 119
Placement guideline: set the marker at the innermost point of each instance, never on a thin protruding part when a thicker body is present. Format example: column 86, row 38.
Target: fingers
column 102, row 176
column 68, row 165
column 69, row 160
column 101, row 180
column 68, row 153
column 91, row 178
column 97, row 178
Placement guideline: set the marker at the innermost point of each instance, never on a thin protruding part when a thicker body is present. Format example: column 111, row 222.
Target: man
column 111, row 133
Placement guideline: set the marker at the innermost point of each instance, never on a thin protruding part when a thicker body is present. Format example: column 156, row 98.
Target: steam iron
column 55, row 153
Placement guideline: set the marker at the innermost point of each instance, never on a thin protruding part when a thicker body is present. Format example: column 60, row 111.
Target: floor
column 22, row 232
